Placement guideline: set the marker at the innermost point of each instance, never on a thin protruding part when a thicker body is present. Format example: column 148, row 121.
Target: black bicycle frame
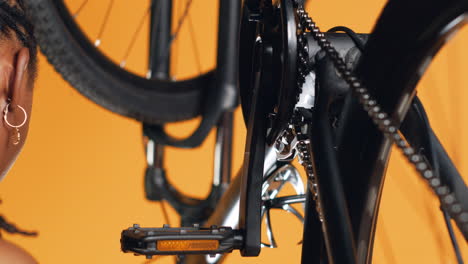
column 349, row 161
column 359, row 146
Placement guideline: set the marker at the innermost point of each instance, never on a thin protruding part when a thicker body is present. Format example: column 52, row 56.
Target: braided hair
column 12, row 229
column 15, row 23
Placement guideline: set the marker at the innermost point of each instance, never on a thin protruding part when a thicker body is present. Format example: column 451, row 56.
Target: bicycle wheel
column 399, row 49
column 103, row 80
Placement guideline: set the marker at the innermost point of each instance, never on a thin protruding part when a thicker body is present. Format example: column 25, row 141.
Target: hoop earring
column 5, row 114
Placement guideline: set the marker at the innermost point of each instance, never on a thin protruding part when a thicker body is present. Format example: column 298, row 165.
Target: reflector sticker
column 187, row 245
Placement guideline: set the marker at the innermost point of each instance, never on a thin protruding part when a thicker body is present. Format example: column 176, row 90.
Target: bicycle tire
column 398, row 51
column 96, row 77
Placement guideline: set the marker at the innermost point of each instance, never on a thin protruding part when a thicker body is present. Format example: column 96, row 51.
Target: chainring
column 274, row 25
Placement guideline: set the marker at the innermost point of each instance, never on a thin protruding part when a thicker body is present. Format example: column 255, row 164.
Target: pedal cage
column 180, row 241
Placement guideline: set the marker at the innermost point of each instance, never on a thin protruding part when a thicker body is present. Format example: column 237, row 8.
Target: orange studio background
column 79, row 179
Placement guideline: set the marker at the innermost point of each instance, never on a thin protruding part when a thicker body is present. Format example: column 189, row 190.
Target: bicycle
column 294, row 130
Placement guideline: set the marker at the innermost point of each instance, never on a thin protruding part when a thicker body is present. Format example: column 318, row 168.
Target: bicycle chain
column 305, row 158
column 380, row 118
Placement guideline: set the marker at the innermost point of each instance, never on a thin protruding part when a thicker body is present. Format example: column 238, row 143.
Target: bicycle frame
column 348, row 159
column 349, row 216
column 236, row 200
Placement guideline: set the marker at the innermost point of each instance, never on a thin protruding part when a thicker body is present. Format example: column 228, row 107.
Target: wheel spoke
column 181, row 20
column 183, row 10
column 194, row 41
column 104, row 23
column 82, row 5
column 175, row 45
column 135, row 35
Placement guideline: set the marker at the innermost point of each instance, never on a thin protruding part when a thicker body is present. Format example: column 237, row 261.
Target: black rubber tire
column 105, row 83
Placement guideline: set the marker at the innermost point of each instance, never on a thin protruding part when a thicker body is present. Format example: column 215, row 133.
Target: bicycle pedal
column 180, row 240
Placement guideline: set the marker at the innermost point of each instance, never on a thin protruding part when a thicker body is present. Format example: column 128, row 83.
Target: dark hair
column 14, row 19
column 12, row 229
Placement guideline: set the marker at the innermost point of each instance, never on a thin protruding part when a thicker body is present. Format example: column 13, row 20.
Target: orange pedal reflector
column 187, row 245
column 180, row 240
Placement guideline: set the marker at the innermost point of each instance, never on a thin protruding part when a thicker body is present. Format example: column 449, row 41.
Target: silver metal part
column 154, row 153
column 276, row 181
column 286, row 144
column 223, row 151
column 272, row 186
column 227, row 210
column 307, row 95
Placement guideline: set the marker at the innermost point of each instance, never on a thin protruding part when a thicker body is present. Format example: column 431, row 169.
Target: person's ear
column 19, row 90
